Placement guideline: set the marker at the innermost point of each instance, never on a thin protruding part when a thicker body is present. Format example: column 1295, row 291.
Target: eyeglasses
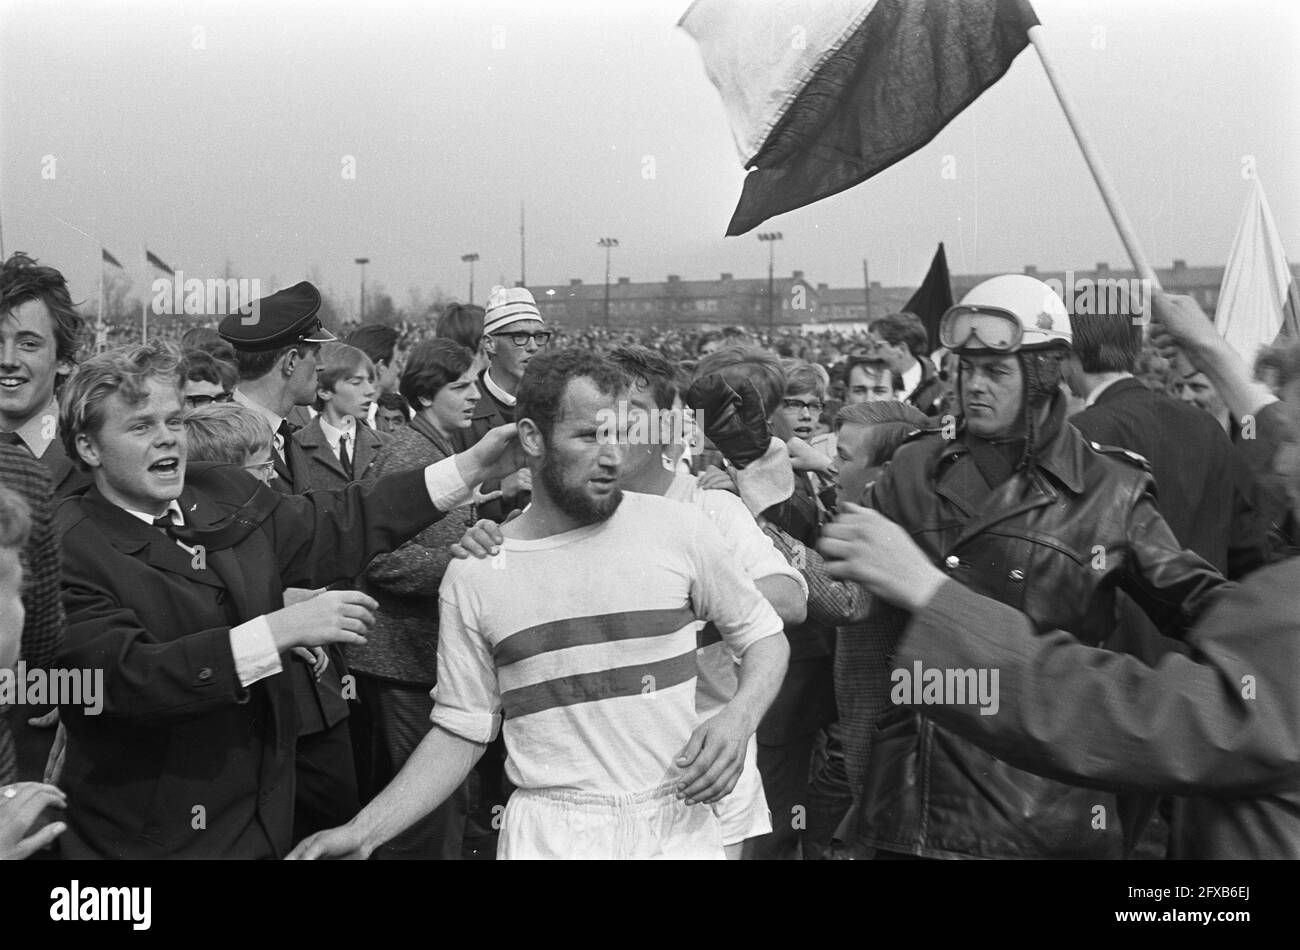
column 521, row 339
column 261, row 468
column 814, row 406
column 198, row 400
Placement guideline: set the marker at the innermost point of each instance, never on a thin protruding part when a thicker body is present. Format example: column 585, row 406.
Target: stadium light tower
column 470, row 259
column 608, row 244
column 771, row 237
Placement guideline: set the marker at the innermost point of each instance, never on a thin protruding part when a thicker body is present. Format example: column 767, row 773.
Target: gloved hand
column 735, row 420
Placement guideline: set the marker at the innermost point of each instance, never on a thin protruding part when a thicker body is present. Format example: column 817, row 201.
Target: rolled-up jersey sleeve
column 722, row 593
column 467, row 697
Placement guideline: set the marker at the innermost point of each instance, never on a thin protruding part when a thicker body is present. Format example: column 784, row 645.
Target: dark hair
column 432, row 365
column 22, row 280
column 375, row 340
column 541, row 391
column 905, row 328
column 737, row 363
column 202, row 366
column 391, row 401
column 254, row 364
column 649, row 368
column 708, row 336
column 1106, row 342
column 875, row 366
column 462, row 322
column 209, row 341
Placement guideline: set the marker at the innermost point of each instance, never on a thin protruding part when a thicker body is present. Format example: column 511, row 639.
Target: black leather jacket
column 1055, row 541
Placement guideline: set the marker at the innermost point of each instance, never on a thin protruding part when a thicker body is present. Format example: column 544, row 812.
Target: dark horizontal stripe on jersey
column 603, row 684
column 583, row 631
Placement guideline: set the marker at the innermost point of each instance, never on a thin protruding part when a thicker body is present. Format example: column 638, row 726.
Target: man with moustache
column 580, row 635
column 1018, row 506
column 173, row 585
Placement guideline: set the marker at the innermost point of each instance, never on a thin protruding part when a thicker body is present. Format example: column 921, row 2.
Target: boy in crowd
column 391, row 413
column 338, row 447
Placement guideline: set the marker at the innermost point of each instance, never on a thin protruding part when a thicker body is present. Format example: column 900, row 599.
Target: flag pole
column 866, row 288
column 144, row 304
column 1108, row 194
column 99, row 330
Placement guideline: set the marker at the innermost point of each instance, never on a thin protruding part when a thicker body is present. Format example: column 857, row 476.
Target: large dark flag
column 933, row 298
column 823, row 94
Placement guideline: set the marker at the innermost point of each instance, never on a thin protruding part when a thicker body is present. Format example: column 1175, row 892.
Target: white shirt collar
column 266, row 414
column 333, row 435
column 1092, row 396
column 912, row 378
column 41, row 429
column 499, row 394
column 173, row 509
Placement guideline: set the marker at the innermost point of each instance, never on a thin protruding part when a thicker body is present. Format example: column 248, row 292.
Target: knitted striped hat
column 507, row 305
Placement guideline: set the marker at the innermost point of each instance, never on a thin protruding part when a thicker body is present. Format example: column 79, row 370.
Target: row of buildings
column 795, row 301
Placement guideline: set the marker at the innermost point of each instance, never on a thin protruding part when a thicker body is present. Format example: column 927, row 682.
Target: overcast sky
column 215, row 131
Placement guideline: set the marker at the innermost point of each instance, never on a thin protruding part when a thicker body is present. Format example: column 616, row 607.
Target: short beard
column 573, row 501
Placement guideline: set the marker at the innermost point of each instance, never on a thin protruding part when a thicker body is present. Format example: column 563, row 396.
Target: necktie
column 285, row 432
column 345, row 457
column 164, row 522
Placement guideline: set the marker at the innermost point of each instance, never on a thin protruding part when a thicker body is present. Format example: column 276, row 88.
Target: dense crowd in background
column 245, row 715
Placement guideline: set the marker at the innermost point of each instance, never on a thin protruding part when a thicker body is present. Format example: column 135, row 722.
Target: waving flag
column 152, row 258
column 110, row 259
column 1257, row 299
column 823, row 94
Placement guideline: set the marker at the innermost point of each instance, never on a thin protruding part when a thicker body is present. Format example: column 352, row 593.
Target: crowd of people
column 437, row 592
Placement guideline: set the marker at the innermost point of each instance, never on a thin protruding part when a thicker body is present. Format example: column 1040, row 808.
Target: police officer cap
column 286, row 317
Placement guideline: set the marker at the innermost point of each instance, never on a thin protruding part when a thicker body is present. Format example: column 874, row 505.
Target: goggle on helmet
column 1005, row 315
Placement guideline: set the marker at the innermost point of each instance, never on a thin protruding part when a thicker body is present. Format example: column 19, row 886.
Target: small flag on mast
column 157, row 262
column 110, row 259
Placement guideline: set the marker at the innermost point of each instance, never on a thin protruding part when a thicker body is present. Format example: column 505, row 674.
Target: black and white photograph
column 739, row 430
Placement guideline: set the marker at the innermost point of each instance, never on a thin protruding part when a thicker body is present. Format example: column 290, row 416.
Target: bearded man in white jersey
column 578, row 641
column 657, row 431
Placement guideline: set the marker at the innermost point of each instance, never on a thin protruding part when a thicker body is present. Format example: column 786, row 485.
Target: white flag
column 1256, row 300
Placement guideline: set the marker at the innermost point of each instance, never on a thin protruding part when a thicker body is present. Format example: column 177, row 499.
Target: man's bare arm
column 715, row 755
column 436, row 768
column 786, row 597
column 1179, row 321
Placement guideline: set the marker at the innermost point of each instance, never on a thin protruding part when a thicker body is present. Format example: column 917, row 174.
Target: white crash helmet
column 1006, row 314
